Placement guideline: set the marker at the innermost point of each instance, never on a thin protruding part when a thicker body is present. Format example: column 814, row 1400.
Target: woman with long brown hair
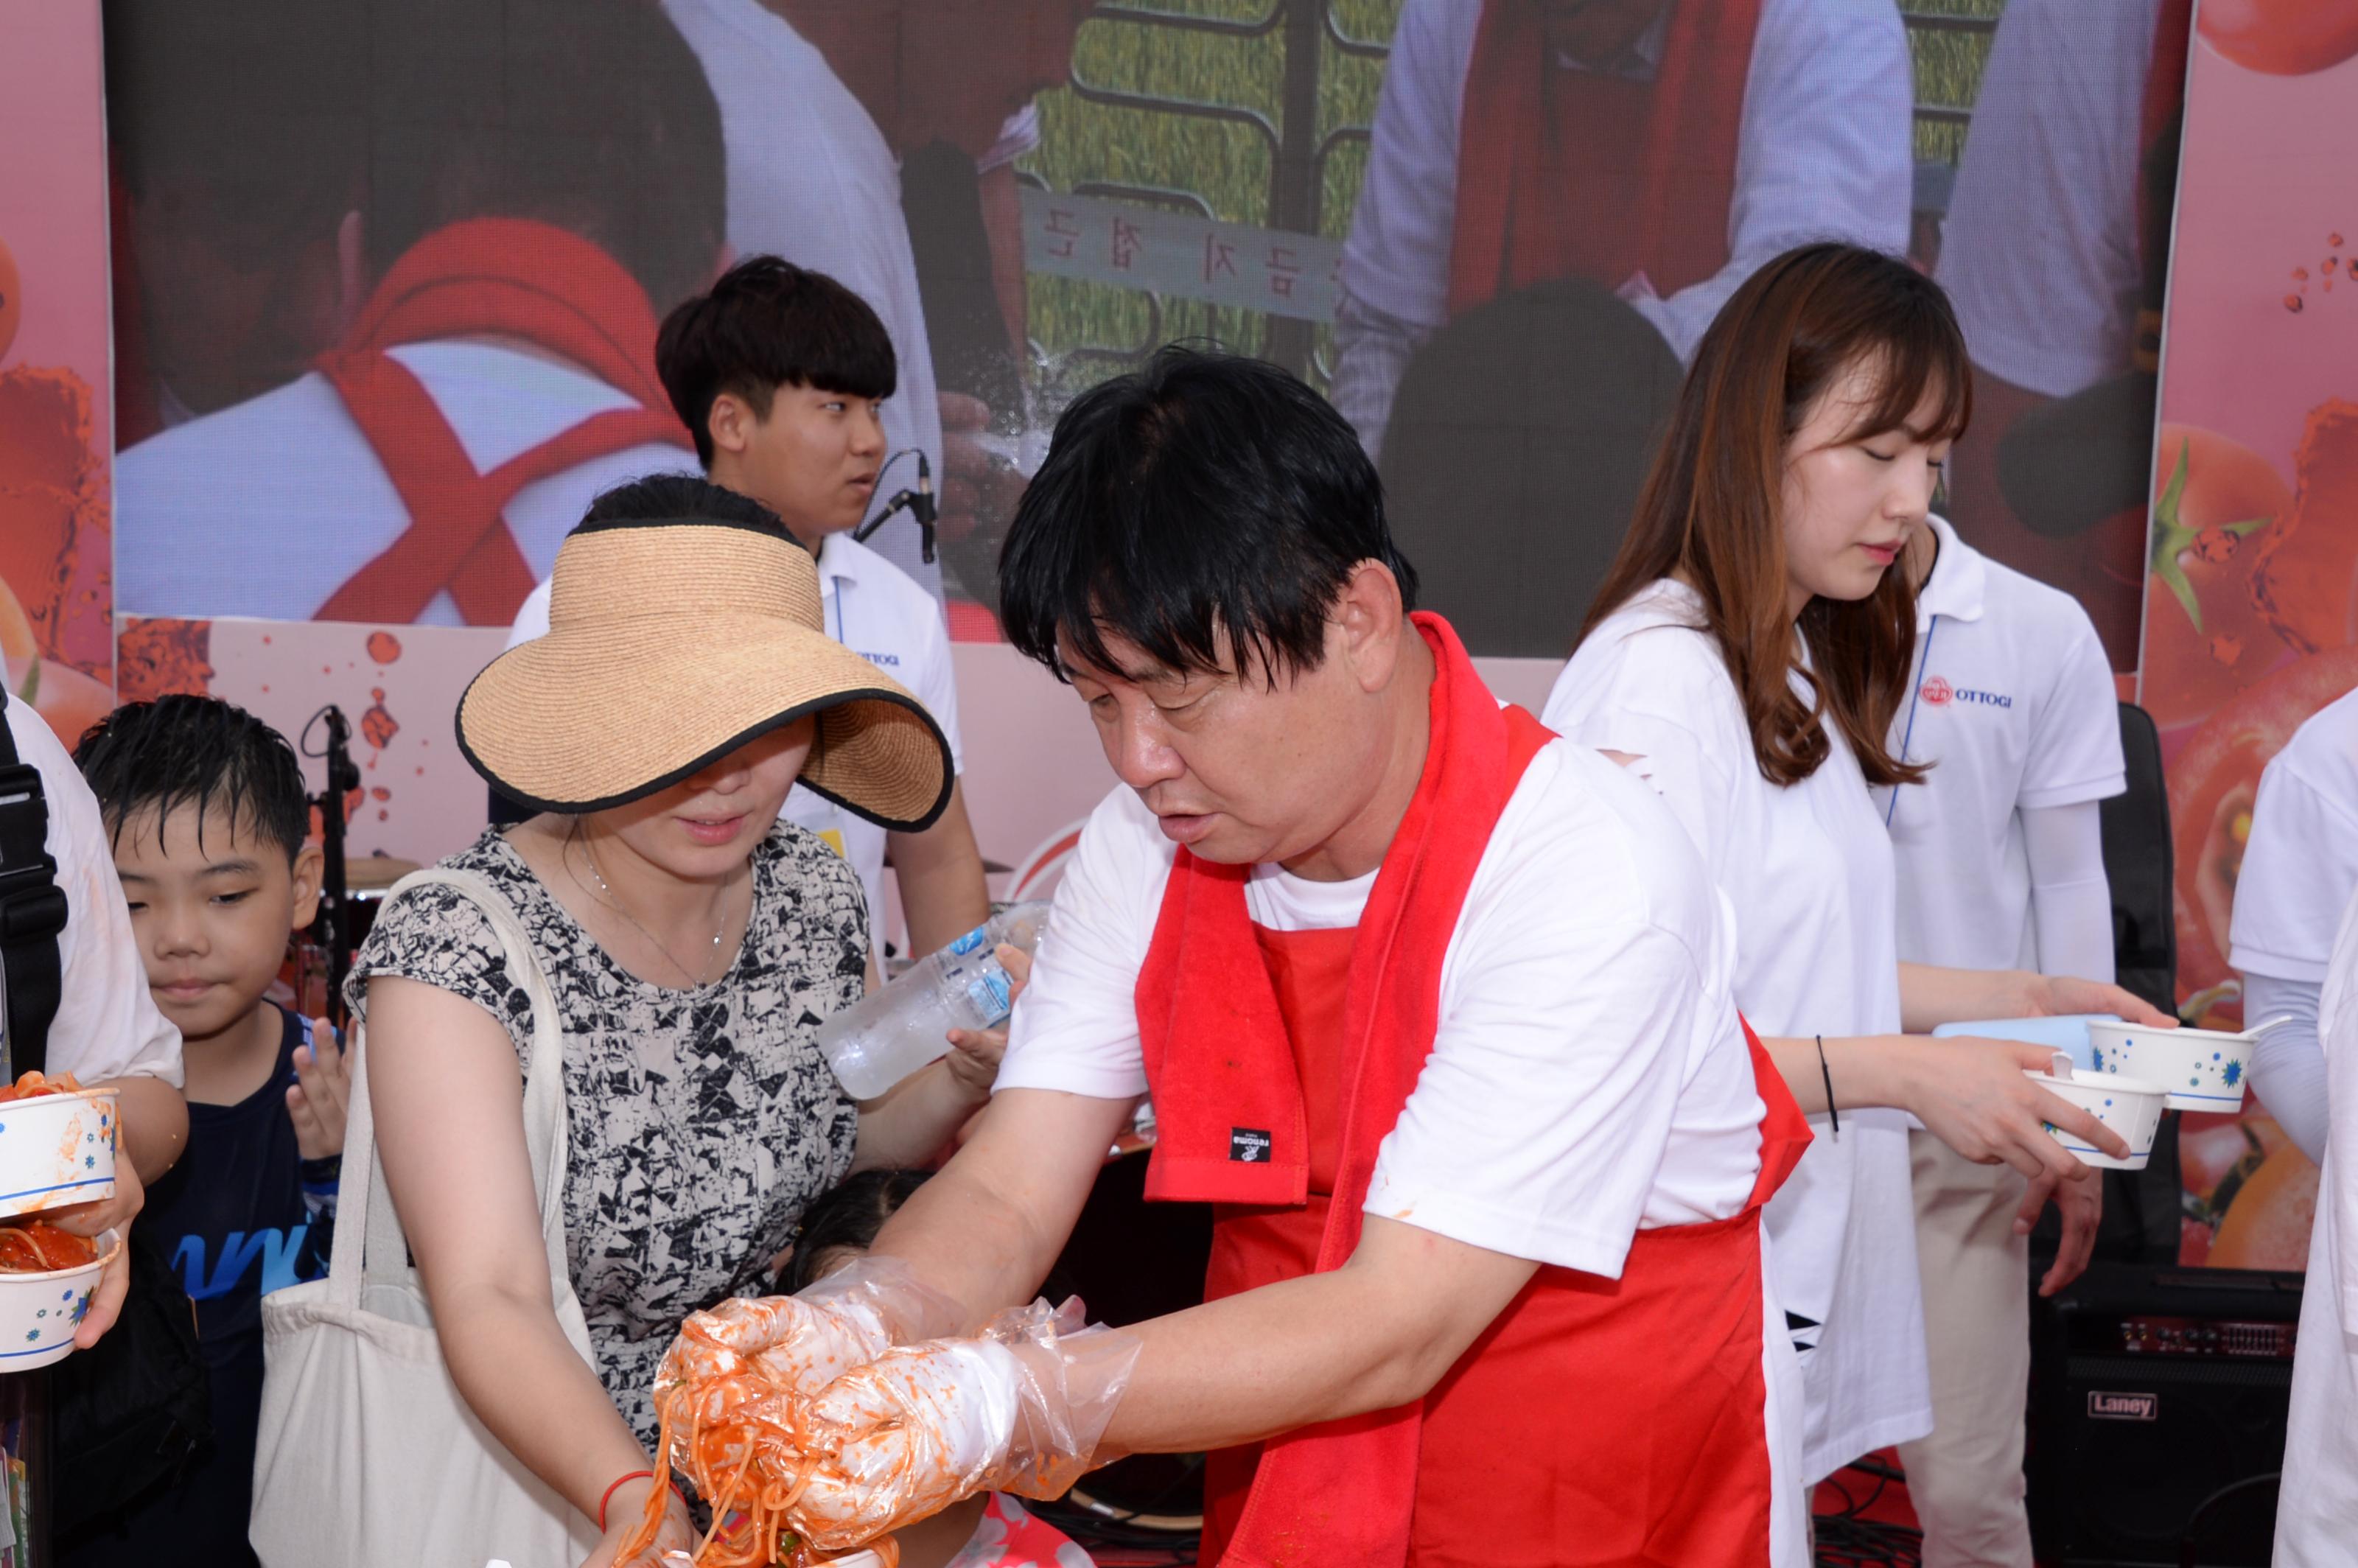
column 1746, row 654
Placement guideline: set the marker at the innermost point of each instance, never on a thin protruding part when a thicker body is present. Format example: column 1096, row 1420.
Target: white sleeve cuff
column 1517, row 1233
column 2104, row 787
column 1043, row 1070
column 2247, row 960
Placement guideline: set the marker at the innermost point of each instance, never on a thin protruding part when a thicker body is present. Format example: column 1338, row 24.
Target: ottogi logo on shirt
column 1938, row 693
column 1248, row 1145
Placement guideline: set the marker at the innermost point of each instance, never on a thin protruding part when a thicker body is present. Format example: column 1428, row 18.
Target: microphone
column 918, row 504
column 921, row 506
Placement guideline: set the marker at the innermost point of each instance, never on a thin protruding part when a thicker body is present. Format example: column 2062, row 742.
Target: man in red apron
column 1430, row 1004
column 1560, row 196
column 1659, row 149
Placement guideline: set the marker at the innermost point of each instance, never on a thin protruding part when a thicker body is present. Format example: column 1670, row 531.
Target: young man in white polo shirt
column 2001, row 866
column 781, row 375
column 2299, row 869
column 2292, row 895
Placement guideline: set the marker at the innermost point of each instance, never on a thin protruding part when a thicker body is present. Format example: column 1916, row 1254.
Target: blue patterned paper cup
column 2202, row 1069
column 57, row 1151
column 2127, row 1106
column 38, row 1313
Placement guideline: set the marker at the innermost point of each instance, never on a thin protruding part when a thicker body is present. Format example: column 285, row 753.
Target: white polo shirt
column 874, row 610
column 107, row 1025
column 2320, row 1472
column 1808, row 870
column 2300, row 866
column 2014, row 705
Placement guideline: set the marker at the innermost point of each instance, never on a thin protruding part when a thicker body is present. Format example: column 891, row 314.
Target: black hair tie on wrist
column 1829, row 1075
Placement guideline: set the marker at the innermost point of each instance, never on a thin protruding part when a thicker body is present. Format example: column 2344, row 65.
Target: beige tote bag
column 368, row 1455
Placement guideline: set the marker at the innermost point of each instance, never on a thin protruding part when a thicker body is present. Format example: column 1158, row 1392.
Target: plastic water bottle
column 890, row 1033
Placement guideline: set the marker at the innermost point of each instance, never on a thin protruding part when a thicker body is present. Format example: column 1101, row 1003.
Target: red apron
column 516, row 278
column 1597, row 1422
column 1568, row 173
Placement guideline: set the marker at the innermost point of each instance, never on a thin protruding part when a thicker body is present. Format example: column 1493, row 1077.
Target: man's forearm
column 985, row 1231
column 1316, row 1348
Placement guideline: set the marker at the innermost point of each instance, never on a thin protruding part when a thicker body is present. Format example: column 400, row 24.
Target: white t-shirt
column 1808, row 869
column 107, row 1025
column 1589, row 1078
column 874, row 610
column 811, row 179
column 1824, row 149
column 2300, row 865
column 2015, row 706
column 2039, row 251
column 2319, row 1495
column 266, row 508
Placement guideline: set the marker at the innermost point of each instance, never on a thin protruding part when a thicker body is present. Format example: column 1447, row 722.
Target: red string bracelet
column 619, row 1481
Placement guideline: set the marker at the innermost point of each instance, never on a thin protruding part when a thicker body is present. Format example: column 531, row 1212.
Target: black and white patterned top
column 699, row 1122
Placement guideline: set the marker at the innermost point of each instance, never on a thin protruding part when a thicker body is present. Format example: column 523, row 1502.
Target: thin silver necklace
column 606, row 895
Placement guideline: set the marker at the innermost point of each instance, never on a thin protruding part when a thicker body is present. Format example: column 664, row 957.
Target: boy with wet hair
column 206, row 808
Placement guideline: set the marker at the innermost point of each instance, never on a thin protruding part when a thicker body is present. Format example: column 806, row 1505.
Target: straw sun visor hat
column 673, row 641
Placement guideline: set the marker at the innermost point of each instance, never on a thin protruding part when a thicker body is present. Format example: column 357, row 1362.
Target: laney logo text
column 2124, row 1407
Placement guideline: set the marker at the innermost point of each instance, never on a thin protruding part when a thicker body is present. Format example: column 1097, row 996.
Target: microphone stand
column 918, row 504
column 334, row 928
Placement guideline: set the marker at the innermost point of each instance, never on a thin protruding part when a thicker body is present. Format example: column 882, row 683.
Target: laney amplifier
column 2157, row 1406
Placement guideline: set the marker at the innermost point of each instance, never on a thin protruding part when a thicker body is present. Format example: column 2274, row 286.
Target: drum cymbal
column 374, row 873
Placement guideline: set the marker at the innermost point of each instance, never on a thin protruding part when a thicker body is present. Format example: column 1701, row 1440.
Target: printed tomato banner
column 2251, row 604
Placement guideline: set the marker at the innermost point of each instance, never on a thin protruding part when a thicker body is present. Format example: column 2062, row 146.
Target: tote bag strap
column 368, row 1232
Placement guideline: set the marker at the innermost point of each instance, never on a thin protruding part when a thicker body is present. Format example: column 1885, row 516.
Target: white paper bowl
column 2202, row 1070
column 38, row 1313
column 2130, row 1107
column 57, row 1151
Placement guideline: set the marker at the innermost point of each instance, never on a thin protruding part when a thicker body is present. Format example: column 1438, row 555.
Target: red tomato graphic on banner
column 2281, row 37
column 2215, row 503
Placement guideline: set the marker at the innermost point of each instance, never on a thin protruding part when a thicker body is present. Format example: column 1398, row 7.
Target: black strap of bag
column 32, row 911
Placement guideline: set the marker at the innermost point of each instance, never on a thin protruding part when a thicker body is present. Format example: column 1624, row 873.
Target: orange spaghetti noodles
column 32, row 1086
column 747, row 1464
column 37, row 1247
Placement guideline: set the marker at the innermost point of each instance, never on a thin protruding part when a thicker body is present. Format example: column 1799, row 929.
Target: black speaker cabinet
column 2157, row 1404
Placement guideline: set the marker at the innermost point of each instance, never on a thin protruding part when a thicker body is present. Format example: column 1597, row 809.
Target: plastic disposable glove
column 1021, row 1408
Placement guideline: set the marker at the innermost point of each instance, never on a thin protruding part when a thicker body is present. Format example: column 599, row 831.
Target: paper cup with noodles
column 2129, row 1106
column 57, row 1150
column 41, row 1306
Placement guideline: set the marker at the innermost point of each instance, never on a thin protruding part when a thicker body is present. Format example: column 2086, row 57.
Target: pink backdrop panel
column 56, row 430
column 2257, row 502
